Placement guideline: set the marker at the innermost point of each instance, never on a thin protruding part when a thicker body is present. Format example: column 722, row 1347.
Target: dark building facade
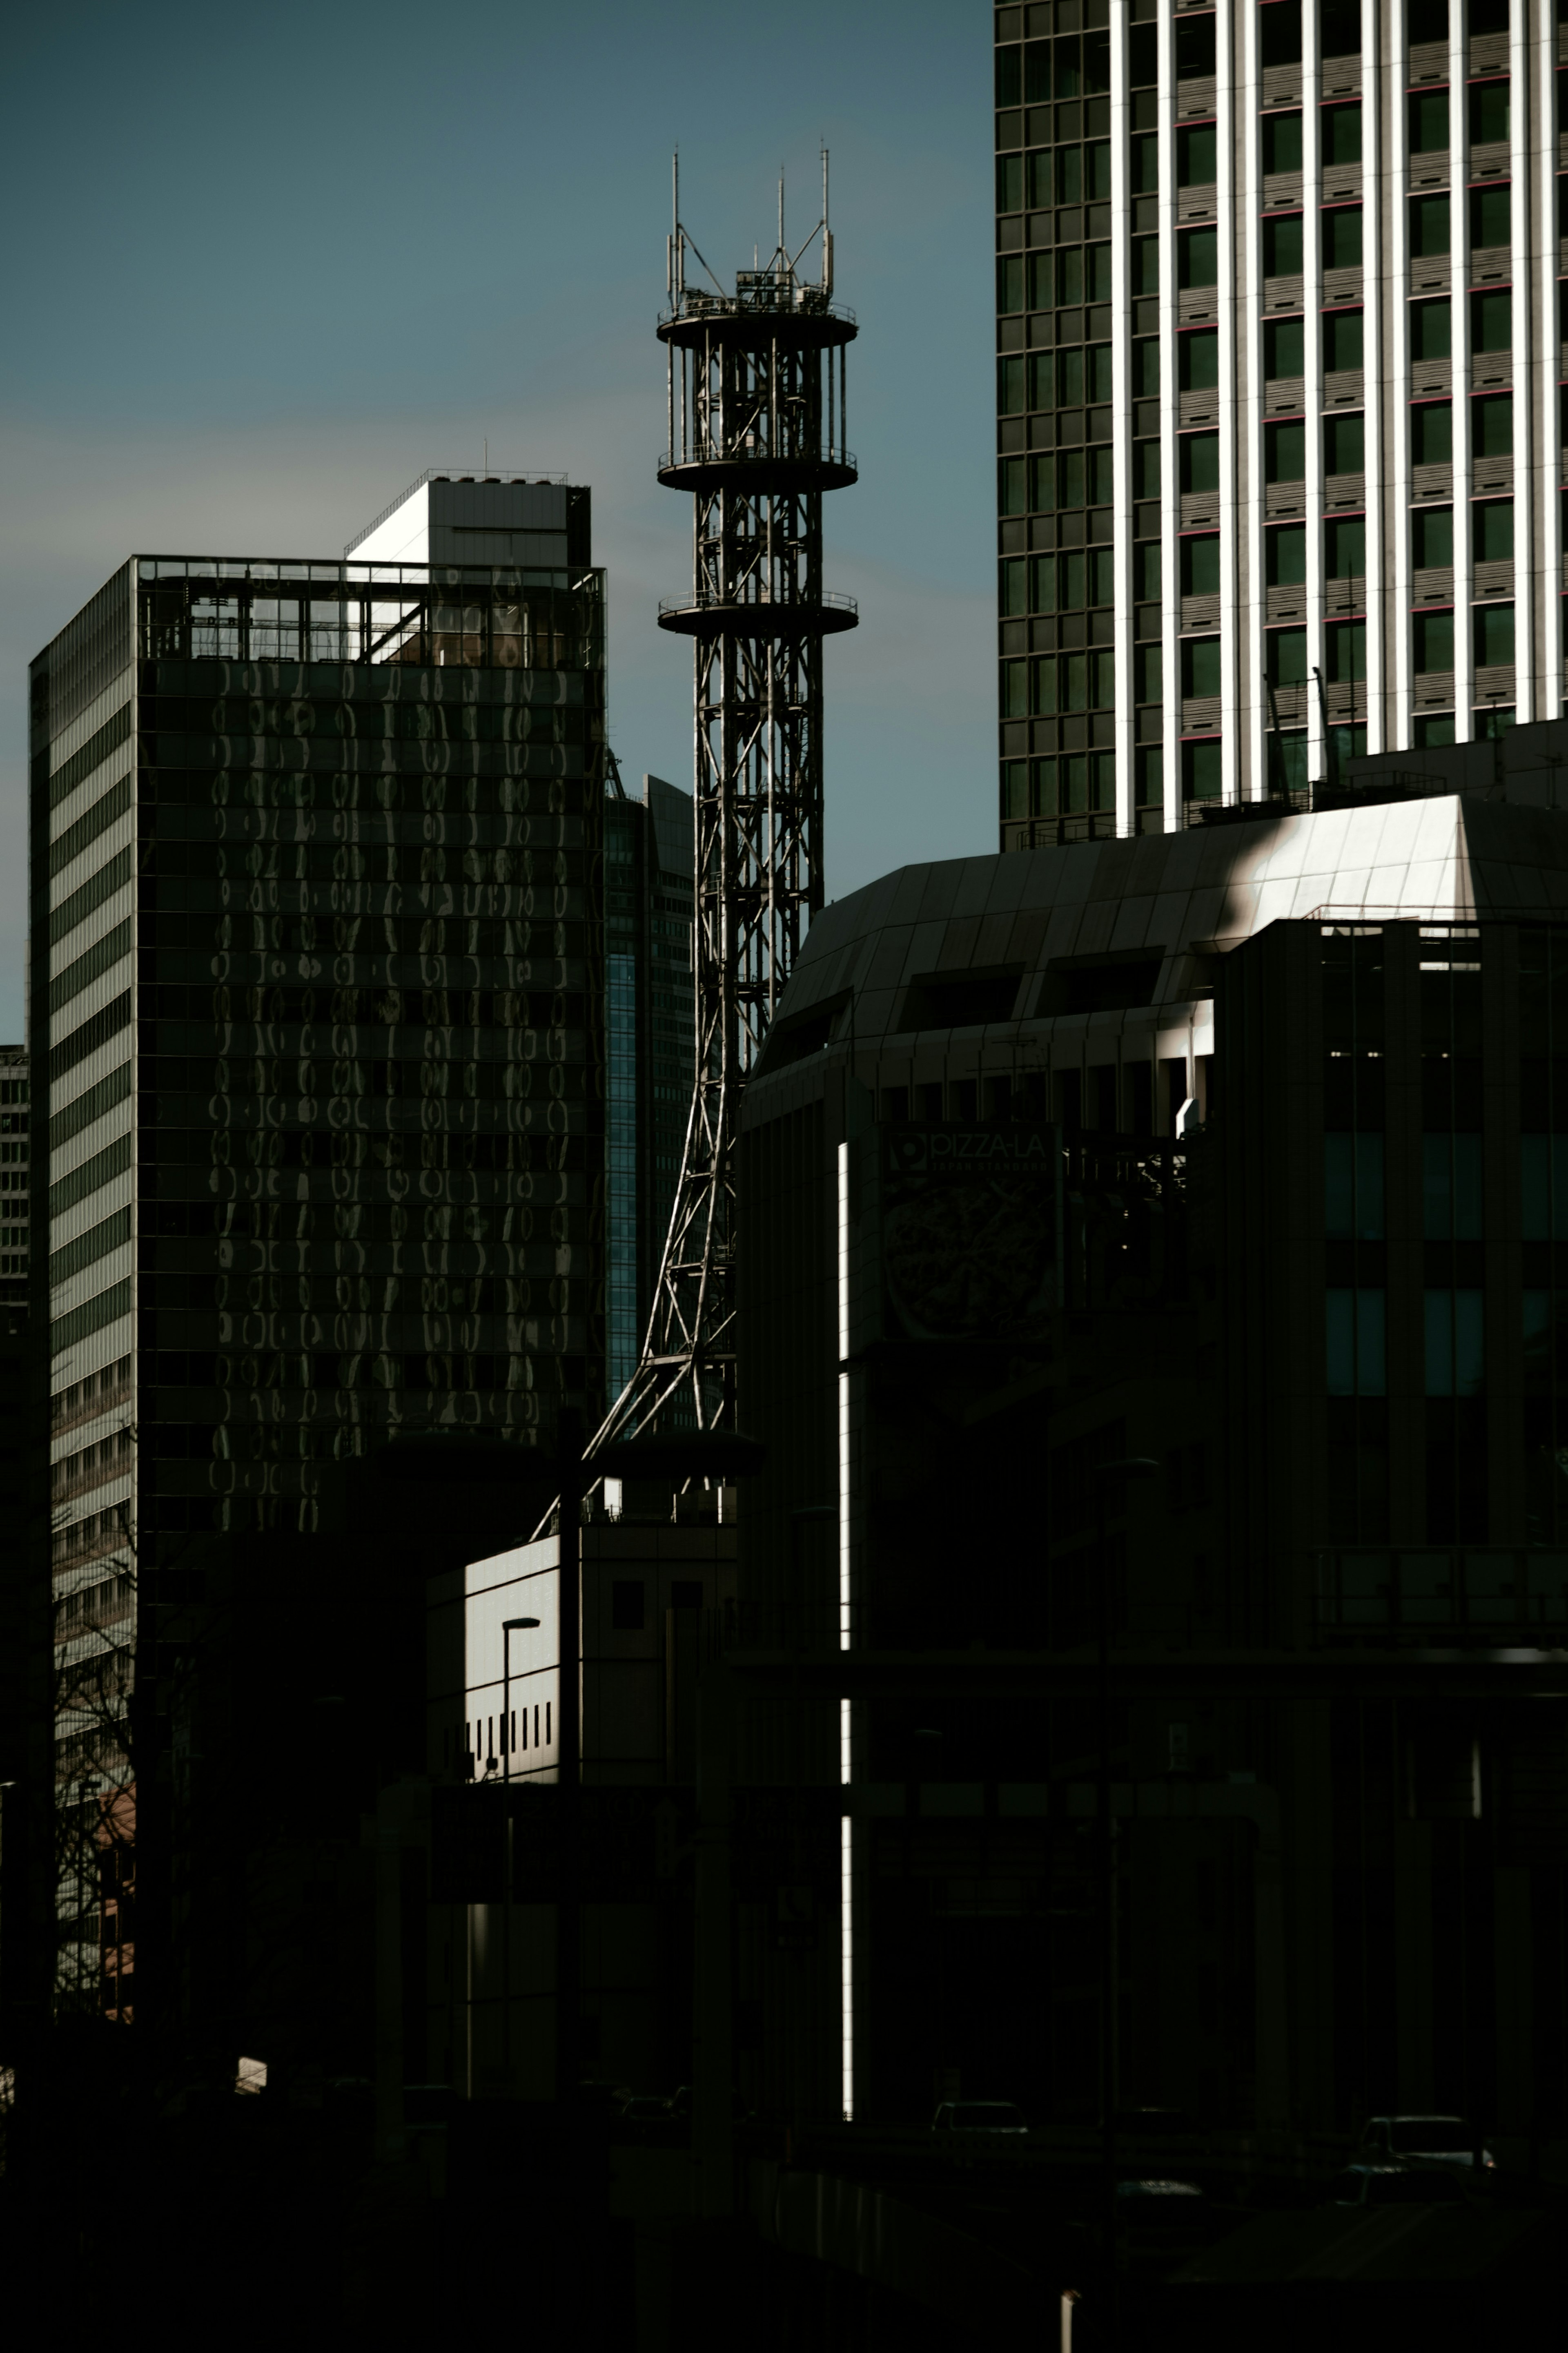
column 1233, row 1153
column 649, row 1048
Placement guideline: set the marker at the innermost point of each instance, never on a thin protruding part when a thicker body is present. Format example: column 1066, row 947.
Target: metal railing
column 833, row 600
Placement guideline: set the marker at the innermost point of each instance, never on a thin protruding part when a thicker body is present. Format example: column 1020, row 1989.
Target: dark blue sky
column 263, row 268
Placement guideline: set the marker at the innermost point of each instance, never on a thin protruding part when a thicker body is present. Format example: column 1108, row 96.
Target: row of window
column 1075, row 173
column 1075, row 579
column 1070, row 377
column 1075, row 64
column 1076, row 478
column 1074, row 273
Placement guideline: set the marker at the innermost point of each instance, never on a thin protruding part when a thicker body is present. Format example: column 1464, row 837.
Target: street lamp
column 1137, row 1466
column 508, row 1627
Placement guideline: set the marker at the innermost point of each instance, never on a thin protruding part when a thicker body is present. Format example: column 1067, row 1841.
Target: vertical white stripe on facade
column 1312, row 369
column 1121, row 399
column 1520, row 66
column 1398, row 674
column 1170, row 408
column 1232, row 763
column 1371, row 82
column 1540, row 294
column 1249, row 287
column 1460, row 317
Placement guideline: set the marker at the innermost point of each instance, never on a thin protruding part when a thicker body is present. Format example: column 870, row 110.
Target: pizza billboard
column 969, row 1230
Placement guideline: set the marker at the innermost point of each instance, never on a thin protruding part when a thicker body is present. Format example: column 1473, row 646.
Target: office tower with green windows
column 649, row 1048
column 15, row 1121
column 1279, row 429
column 317, row 1031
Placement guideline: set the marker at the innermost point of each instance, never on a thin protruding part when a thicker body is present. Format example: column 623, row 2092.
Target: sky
column 263, row 267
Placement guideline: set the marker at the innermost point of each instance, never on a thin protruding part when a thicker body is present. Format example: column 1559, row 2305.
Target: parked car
column 1440, row 2140
column 1398, row 2185
column 979, row 2117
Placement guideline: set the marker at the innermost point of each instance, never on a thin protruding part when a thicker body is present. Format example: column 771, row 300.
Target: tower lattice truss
column 757, row 383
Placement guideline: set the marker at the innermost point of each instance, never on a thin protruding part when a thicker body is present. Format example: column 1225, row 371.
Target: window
column 1432, row 433
column 1428, row 118
column 1146, row 367
column 1429, row 233
column 1343, row 343
column 1434, row 538
column 1355, row 1334
column 1287, row 759
column 1491, row 113
column 1284, row 348
column 1287, row 655
column 1436, row 727
column 1494, row 635
column 1011, row 486
column 1279, row 33
column 1284, row 452
column 1491, row 214
column 1281, row 142
column 1491, row 319
column 1455, row 1362
column 1195, row 48
column 1339, row 22
column 1069, row 378
column 1427, row 20
column 1203, row 772
column 1009, row 184
column 1148, row 674
column 1198, row 257
column 1344, row 444
column 1345, row 643
column 1145, row 166
column 1285, row 556
column 1198, row 357
column 1199, row 460
column 1070, row 175
column 1148, row 778
column 1200, row 666
column 1010, row 386
column 1433, row 635
column 1145, row 265
column 1345, row 548
column 1010, row 281
column 1070, row 274
column 1015, row 690
column 1491, row 521
column 1147, row 569
column 1282, row 245
column 1338, row 127
column 1200, row 565
column 1491, row 426
column 1097, row 171
column 1143, row 55
column 1013, row 587
column 1431, row 331
column 1042, row 184
column 1008, row 77
column 1098, row 273
column 1196, row 155
column 1353, row 1185
column 1451, row 1186
column 1342, row 236
column 1146, row 468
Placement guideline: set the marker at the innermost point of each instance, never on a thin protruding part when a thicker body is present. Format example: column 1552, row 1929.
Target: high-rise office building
column 316, row 1031
column 650, row 1049
column 1279, row 425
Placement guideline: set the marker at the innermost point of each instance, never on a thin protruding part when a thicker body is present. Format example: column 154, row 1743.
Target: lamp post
column 1139, row 1466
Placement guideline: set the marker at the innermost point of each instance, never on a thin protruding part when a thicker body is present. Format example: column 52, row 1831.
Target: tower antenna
column 756, row 437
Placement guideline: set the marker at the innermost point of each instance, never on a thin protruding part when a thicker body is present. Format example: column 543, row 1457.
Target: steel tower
column 757, row 418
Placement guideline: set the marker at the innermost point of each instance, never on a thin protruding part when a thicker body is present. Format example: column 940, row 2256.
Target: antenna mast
column 756, row 436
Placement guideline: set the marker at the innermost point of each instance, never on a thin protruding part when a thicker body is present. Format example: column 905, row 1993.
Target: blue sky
column 262, row 267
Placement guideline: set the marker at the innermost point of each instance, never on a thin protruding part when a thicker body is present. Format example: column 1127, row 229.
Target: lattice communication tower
column 757, row 433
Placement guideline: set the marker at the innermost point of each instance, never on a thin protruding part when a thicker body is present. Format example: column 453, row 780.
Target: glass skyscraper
column 1280, row 433
column 316, row 1031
